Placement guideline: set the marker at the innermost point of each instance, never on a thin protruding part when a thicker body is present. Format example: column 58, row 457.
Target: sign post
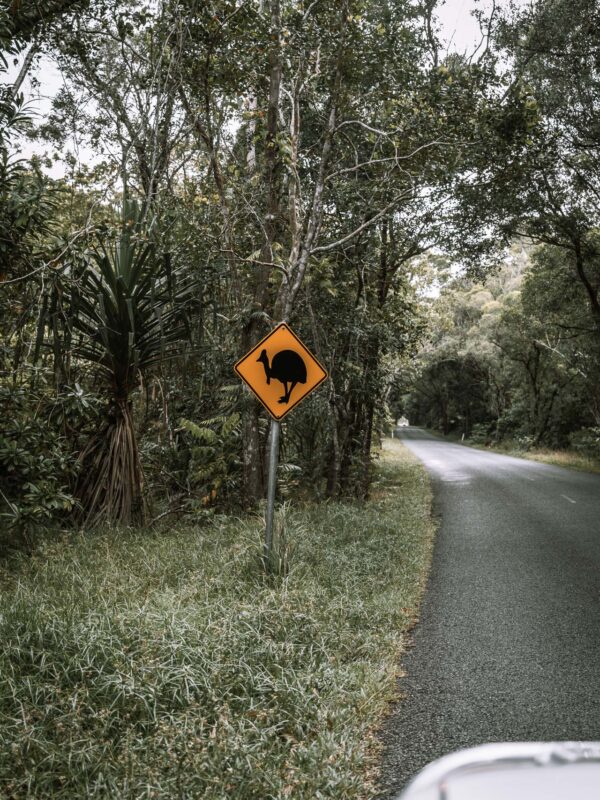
column 271, row 490
column 279, row 360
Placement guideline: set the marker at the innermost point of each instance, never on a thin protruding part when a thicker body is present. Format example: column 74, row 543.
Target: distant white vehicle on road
column 402, row 422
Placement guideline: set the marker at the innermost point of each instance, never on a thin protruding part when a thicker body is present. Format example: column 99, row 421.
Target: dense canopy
column 425, row 219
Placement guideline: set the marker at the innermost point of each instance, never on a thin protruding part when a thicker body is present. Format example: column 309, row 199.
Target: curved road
column 508, row 643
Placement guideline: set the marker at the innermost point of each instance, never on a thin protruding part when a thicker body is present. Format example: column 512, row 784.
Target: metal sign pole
column 271, row 489
column 279, row 360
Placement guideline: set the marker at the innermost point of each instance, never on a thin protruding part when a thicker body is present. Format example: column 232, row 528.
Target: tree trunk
column 254, row 487
column 254, row 483
column 591, row 291
column 111, row 478
column 335, row 457
column 366, row 466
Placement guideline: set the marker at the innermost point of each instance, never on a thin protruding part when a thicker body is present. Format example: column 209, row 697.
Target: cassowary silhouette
column 287, row 367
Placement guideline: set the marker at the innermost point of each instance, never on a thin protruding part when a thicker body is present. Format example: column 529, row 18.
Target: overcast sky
column 459, row 30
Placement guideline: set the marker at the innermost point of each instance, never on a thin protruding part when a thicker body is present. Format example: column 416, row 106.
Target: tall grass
column 571, row 459
column 164, row 665
column 561, row 458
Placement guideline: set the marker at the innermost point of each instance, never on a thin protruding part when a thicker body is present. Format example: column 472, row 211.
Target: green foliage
column 126, row 304
column 25, row 208
column 287, row 531
column 25, row 211
column 587, row 442
column 480, row 433
column 213, row 466
column 36, row 469
column 184, row 94
column 124, row 313
column 525, row 369
column 299, row 161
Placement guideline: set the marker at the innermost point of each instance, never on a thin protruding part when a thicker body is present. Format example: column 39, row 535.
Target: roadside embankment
column 163, row 664
column 559, row 458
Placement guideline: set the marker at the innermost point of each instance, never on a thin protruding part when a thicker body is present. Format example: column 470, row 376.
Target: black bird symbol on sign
column 287, row 367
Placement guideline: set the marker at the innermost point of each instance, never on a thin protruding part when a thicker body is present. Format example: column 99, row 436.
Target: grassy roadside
column 163, row 666
column 559, row 458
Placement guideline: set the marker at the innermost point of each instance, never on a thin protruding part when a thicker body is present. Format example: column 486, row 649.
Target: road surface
column 508, row 643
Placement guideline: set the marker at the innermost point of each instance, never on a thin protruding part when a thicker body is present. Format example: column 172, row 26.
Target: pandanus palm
column 126, row 314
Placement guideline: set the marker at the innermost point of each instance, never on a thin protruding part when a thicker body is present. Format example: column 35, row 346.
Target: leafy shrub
column 213, row 464
column 513, row 421
column 525, row 441
column 587, row 442
column 480, row 433
column 36, row 469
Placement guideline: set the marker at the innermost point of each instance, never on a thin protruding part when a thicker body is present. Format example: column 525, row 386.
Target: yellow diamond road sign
column 281, row 371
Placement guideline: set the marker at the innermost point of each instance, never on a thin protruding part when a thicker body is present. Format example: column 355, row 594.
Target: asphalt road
column 508, row 643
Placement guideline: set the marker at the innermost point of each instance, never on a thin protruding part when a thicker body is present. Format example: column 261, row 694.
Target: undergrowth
column 164, row 665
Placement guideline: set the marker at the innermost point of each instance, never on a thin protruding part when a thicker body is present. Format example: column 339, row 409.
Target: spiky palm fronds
column 126, row 308
column 125, row 313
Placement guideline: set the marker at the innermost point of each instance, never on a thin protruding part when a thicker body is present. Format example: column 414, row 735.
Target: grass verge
column 162, row 665
column 559, row 458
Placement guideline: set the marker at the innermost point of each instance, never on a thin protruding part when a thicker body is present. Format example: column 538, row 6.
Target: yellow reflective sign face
column 281, row 371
